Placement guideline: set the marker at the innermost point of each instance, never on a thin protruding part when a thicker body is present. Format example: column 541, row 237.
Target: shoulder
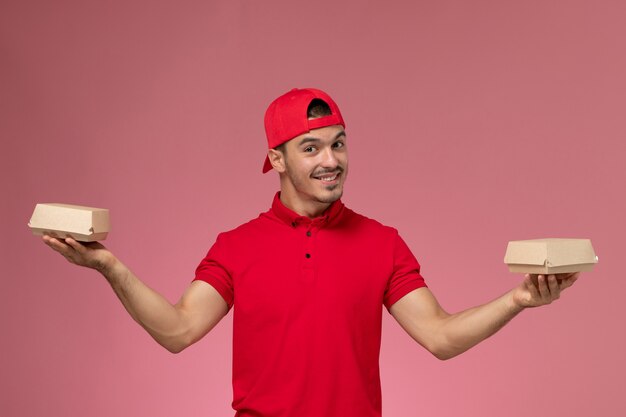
column 244, row 229
column 249, row 231
column 368, row 224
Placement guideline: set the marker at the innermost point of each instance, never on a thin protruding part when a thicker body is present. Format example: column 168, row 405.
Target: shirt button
column 308, row 233
column 308, row 255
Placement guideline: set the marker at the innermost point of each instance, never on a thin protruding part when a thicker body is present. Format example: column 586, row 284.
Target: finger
column 47, row 240
column 570, row 281
column 532, row 289
column 543, row 288
column 58, row 245
column 553, row 285
column 75, row 245
column 565, row 276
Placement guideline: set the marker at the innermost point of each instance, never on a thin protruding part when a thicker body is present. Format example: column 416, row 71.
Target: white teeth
column 328, row 178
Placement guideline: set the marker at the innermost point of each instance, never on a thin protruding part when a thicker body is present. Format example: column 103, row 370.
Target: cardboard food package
column 550, row 256
column 85, row 224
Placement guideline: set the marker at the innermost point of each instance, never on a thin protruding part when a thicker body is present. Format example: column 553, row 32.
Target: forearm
column 461, row 331
column 162, row 320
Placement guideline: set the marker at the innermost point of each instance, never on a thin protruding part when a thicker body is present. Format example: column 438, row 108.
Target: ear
column 277, row 159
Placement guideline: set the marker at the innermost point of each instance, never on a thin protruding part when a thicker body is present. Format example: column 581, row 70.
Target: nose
column 329, row 159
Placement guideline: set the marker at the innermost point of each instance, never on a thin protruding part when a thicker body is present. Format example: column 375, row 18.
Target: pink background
column 470, row 124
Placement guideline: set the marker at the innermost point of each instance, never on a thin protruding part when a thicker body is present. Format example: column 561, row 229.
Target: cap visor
column 267, row 165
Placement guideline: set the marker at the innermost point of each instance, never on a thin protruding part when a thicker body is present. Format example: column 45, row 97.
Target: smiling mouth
column 328, row 178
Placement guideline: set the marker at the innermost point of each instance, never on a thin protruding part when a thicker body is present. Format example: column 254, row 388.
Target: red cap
column 286, row 117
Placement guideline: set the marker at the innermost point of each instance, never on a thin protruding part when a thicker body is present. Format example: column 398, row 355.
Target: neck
column 307, row 208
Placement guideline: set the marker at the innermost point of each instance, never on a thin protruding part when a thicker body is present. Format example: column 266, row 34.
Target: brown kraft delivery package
column 85, row 224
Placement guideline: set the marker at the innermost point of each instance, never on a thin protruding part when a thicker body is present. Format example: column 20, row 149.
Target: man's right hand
column 91, row 255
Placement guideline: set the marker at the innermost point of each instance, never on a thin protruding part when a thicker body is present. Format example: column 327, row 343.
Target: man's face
column 316, row 164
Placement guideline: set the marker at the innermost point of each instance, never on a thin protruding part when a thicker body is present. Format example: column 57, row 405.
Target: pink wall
column 470, row 123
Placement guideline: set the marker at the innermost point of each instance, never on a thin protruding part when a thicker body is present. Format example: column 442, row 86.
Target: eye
column 309, row 149
column 339, row 144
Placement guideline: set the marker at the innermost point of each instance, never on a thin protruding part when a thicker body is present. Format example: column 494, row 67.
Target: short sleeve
column 405, row 276
column 213, row 270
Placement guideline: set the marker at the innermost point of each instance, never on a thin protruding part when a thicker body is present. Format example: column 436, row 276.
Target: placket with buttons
column 309, row 261
column 309, row 229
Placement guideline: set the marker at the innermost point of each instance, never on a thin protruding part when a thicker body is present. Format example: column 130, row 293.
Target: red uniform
column 308, row 297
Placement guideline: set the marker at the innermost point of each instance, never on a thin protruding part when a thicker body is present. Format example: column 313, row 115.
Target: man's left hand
column 538, row 290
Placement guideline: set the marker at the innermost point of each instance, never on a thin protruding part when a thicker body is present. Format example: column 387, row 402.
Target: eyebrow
column 308, row 139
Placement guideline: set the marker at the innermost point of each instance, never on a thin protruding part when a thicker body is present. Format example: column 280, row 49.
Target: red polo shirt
column 308, row 297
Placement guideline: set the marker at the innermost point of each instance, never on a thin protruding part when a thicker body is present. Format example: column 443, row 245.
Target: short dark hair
column 282, row 148
column 317, row 108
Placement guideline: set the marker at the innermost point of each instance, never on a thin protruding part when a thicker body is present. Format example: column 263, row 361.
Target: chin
column 331, row 196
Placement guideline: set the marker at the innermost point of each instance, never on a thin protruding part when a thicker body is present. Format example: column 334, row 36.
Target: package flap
column 551, row 252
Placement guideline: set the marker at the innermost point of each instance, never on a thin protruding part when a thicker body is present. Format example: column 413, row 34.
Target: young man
column 308, row 280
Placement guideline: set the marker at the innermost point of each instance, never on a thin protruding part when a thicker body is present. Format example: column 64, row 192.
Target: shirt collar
column 294, row 219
